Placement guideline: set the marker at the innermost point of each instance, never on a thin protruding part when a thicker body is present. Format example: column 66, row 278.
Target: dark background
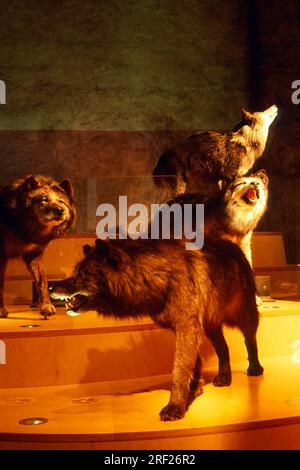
column 98, row 89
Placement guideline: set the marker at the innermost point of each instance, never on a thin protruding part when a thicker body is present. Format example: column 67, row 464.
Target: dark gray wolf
column 213, row 156
column 33, row 211
column 205, row 290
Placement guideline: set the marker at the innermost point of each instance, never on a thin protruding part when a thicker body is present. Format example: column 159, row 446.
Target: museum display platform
column 101, row 384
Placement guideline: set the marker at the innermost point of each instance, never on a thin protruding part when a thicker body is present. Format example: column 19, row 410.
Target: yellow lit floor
column 87, row 410
column 84, row 409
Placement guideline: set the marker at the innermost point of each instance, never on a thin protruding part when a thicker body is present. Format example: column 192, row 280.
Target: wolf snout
column 54, row 211
column 272, row 110
column 61, row 290
column 55, row 295
column 58, row 211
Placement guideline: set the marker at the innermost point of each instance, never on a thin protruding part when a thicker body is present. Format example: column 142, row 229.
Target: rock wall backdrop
column 98, row 89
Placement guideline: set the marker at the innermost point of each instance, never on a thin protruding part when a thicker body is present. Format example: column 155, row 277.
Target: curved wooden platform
column 253, row 413
column 88, row 348
column 102, row 382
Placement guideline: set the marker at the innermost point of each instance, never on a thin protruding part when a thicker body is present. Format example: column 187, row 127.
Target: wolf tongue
column 251, row 194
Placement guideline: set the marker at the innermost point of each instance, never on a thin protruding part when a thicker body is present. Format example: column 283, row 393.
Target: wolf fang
column 116, row 460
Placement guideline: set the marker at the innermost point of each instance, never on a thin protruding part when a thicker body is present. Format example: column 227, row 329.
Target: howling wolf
column 213, row 156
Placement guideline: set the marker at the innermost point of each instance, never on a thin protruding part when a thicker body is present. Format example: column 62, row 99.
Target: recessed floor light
column 29, row 326
column 33, row 421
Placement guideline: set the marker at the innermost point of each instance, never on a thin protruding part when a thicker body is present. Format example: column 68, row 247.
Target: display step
column 62, row 254
column 88, row 348
column 253, row 413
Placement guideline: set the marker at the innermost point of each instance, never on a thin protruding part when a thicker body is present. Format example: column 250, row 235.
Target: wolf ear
column 30, row 183
column 106, row 250
column 67, row 186
column 246, row 115
column 86, row 249
column 262, row 174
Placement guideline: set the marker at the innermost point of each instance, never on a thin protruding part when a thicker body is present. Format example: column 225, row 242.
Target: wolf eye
column 239, row 184
column 40, row 199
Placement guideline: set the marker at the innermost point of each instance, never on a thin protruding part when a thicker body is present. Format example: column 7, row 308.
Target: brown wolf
column 33, row 211
column 233, row 212
column 213, row 156
column 207, row 289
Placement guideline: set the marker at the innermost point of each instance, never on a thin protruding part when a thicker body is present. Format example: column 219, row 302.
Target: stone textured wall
column 123, row 65
column 120, row 161
column 100, row 88
column 97, row 89
column 275, row 65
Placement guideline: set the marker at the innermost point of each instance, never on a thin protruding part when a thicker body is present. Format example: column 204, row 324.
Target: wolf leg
column 224, row 376
column 247, row 250
column 186, row 351
column 197, row 381
column 3, row 264
column 34, row 265
column 249, row 330
column 246, row 247
column 255, row 368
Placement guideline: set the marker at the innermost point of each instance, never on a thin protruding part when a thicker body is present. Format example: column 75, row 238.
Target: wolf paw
column 222, row 380
column 255, row 370
column 47, row 310
column 3, row 312
column 172, row 412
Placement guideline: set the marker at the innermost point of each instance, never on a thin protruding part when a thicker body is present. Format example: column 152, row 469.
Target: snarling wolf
column 194, row 293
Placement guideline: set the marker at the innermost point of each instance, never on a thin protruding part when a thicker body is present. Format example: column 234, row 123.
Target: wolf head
column 82, row 291
column 252, row 133
column 245, row 201
column 38, row 206
column 257, row 120
column 261, row 119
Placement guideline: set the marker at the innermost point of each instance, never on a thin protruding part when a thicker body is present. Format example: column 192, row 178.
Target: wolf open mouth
column 75, row 303
column 251, row 196
column 54, row 217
